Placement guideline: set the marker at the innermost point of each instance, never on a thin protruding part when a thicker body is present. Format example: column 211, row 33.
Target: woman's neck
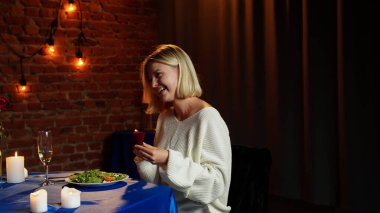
column 184, row 108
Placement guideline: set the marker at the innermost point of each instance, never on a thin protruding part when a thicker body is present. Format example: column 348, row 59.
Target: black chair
column 249, row 179
column 118, row 152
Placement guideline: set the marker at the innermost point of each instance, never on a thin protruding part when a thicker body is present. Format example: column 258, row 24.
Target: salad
column 96, row 176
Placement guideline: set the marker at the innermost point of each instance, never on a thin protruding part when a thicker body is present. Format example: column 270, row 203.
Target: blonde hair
column 188, row 84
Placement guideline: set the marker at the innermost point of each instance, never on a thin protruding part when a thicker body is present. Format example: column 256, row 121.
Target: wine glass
column 45, row 152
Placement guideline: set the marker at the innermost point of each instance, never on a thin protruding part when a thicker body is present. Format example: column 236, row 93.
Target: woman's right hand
column 153, row 154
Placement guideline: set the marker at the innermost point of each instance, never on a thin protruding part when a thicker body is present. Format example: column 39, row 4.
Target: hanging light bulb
column 79, row 55
column 50, row 45
column 80, row 62
column 78, row 52
column 22, row 86
column 71, row 6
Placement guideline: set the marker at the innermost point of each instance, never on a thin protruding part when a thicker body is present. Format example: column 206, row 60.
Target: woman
column 192, row 150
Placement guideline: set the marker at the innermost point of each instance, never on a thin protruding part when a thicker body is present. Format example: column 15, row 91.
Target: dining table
column 128, row 195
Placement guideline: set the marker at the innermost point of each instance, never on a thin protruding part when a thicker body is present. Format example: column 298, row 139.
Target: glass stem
column 47, row 170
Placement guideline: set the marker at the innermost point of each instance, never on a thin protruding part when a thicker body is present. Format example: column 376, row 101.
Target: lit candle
column 138, row 137
column 38, row 201
column 15, row 169
column 70, row 198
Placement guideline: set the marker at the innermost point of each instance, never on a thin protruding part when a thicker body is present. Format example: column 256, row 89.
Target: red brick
column 31, row 30
column 94, row 120
column 69, row 122
column 76, row 156
column 34, row 106
column 109, row 17
column 17, row 10
column 95, row 164
column 68, row 149
column 75, row 96
column 79, row 77
column 82, row 148
column 55, row 166
column 40, row 123
column 92, row 155
column 65, row 130
column 50, row 13
column 81, row 129
column 51, row 78
column 19, row 124
column 80, row 138
column 44, row 97
column 17, row 20
column 19, row 107
column 70, row 24
column 31, row 11
column 50, row 4
column 42, row 22
column 31, row 2
column 16, row 30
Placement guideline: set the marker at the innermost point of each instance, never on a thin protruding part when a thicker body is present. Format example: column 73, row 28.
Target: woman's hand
column 152, row 154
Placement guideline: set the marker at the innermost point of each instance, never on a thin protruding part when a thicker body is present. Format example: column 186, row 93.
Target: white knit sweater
column 199, row 164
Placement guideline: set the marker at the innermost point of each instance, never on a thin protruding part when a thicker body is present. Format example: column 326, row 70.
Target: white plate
column 95, row 184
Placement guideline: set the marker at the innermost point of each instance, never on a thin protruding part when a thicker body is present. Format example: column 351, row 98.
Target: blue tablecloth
column 125, row 196
column 119, row 152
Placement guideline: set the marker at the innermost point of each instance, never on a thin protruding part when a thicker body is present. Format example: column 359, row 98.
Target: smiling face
column 164, row 80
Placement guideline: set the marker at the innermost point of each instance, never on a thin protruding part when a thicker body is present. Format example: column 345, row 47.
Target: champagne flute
column 1, row 167
column 3, row 148
column 45, row 152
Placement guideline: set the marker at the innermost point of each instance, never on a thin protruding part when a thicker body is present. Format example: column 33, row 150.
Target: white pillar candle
column 70, row 198
column 38, row 201
column 15, row 169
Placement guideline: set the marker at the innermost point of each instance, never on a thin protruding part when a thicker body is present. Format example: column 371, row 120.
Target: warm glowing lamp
column 71, row 7
column 80, row 62
column 79, row 56
column 51, row 49
column 50, row 45
column 22, row 87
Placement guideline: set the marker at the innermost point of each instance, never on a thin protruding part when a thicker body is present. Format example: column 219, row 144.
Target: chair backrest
column 249, row 179
column 118, row 152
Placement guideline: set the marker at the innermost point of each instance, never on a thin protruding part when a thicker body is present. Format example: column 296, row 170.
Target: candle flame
column 16, row 154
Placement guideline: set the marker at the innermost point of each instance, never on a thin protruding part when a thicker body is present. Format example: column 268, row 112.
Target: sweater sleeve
column 205, row 176
column 147, row 171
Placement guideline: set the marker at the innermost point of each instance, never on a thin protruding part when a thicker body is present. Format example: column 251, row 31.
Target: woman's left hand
column 152, row 154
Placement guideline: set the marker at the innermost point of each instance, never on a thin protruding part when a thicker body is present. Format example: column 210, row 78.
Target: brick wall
column 83, row 106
